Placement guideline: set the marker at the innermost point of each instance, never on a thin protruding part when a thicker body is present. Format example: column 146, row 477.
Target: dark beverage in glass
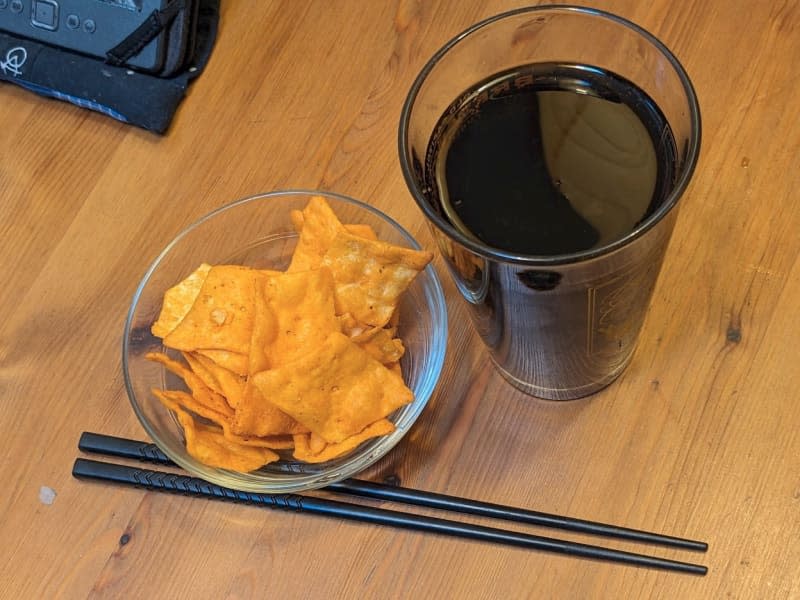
column 548, row 148
column 550, row 159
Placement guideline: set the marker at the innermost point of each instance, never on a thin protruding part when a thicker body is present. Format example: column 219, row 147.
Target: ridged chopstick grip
column 170, row 482
column 122, row 448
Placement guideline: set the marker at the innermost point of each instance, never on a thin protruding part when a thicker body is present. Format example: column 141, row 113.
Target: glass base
column 554, row 393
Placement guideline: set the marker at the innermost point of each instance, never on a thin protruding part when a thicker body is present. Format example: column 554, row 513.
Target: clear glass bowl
column 257, row 232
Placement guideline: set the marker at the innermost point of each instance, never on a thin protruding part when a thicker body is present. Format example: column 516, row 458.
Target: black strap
column 144, row 33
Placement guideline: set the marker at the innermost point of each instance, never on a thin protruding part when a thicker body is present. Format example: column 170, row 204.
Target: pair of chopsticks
column 170, row 482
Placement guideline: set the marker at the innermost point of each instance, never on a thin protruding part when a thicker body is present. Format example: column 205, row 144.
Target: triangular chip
column 222, row 314
column 335, row 390
column 394, row 323
column 302, row 307
column 364, row 335
column 352, row 328
column 302, row 445
column 178, row 300
column 361, row 230
column 202, row 372
column 218, row 378
column 255, row 417
column 232, row 361
column 201, row 393
column 179, row 398
column 383, row 347
column 273, row 442
column 265, row 328
column 319, row 227
column 208, row 445
column 315, row 443
column 369, row 276
column 296, row 216
column 396, row 369
column 306, row 450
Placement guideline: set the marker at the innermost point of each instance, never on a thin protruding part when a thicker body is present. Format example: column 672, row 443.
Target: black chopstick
column 171, row 482
column 144, row 451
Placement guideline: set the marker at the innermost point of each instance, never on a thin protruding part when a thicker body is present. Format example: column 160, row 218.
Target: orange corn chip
column 173, row 398
column 202, row 372
column 208, row 445
column 265, row 329
column 396, row 369
column 383, row 347
column 273, row 442
column 300, row 442
column 319, row 227
column 370, row 276
column 169, row 398
column 394, row 323
column 315, row 443
column 305, row 451
column 232, row 361
column 222, row 314
column 350, row 327
column 178, row 300
column 301, row 305
column 361, row 230
column 365, row 335
column 335, row 390
column 228, row 384
column 296, row 217
column 201, row 393
column 255, row 417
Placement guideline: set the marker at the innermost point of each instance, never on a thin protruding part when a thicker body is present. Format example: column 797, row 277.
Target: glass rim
column 684, row 177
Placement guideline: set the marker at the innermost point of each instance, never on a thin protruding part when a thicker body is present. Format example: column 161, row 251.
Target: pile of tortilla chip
column 305, row 360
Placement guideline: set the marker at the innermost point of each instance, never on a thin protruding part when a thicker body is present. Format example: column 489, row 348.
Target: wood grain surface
column 699, row 437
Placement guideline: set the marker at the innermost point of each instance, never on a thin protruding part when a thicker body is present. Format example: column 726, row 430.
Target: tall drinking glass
column 559, row 321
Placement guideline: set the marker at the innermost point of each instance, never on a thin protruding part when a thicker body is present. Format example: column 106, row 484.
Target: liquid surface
column 550, row 159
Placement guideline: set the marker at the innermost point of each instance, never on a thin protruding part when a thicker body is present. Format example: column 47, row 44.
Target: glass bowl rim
column 437, row 309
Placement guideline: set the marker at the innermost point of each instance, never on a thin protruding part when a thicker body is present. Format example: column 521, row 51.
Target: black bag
column 154, row 36
column 140, row 79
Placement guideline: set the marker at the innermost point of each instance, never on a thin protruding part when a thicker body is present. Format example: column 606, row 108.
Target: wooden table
column 699, row 437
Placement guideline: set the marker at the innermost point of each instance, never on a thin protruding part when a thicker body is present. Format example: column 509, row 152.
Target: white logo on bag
column 15, row 58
